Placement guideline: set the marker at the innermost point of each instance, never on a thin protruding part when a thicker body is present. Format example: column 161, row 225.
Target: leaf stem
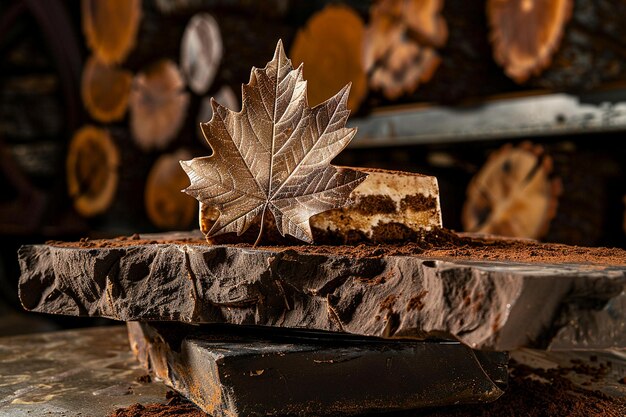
column 258, row 239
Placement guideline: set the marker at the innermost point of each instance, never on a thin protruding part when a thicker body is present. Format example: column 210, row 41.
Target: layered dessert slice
column 389, row 206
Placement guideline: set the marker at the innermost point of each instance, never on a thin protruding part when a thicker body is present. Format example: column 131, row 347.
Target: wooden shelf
column 498, row 118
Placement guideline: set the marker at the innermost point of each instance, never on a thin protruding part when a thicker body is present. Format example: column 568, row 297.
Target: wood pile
column 152, row 68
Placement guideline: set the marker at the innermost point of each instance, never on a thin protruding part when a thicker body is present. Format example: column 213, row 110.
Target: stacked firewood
column 152, row 71
column 153, row 67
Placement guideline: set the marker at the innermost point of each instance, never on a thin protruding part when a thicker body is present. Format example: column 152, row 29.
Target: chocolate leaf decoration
column 274, row 155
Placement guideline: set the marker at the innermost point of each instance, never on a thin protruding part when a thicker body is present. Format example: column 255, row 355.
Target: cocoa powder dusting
column 439, row 243
column 528, row 396
column 176, row 406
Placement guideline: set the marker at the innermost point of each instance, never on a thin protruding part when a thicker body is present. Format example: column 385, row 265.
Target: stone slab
column 258, row 373
column 485, row 304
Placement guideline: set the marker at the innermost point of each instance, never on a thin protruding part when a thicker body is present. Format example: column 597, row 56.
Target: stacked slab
column 326, row 330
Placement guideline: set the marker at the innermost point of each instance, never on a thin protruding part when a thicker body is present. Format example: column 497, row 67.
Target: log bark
column 158, row 105
column 167, row 206
column 330, row 48
column 110, row 27
column 485, row 304
column 30, row 108
column 92, row 170
column 105, row 90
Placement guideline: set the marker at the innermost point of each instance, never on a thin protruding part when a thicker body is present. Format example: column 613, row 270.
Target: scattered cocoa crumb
column 439, row 243
column 416, row 303
column 529, row 397
column 622, row 381
column 176, row 406
column 388, row 302
column 159, row 410
column 174, row 398
column 144, row 379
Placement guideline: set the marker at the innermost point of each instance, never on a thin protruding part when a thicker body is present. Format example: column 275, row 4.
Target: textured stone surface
column 488, row 305
column 276, row 373
column 86, row 372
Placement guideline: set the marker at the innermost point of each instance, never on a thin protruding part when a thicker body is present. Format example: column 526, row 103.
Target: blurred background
column 518, row 107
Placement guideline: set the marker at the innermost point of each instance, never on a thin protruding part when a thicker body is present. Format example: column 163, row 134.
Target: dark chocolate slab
column 488, row 304
column 259, row 376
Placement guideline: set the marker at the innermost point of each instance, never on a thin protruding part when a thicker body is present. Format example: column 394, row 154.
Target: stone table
column 86, row 372
column 91, row 372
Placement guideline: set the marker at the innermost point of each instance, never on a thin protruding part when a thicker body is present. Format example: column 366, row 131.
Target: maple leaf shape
column 274, row 155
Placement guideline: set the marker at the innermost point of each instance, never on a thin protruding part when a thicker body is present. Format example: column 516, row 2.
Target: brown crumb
column 529, row 397
column 418, row 202
column 373, row 204
column 176, row 405
column 388, row 302
column 439, row 243
column 144, row 379
column 416, row 303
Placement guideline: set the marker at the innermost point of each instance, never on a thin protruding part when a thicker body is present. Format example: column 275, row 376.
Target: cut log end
column 92, row 170
column 330, row 48
column 399, row 45
column 158, row 104
column 201, row 52
column 513, row 194
column 526, row 33
column 110, row 27
column 425, row 21
column 408, row 66
column 167, row 207
column 105, row 90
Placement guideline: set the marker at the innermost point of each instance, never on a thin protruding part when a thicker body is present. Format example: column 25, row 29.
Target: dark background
column 43, row 42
